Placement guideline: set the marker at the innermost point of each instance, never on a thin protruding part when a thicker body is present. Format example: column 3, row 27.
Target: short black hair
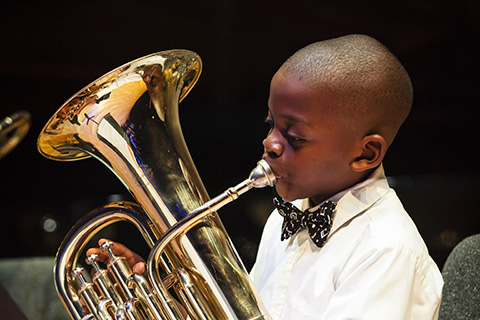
column 368, row 80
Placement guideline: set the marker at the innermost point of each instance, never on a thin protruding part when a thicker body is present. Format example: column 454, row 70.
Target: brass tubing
column 77, row 239
column 144, row 292
column 260, row 177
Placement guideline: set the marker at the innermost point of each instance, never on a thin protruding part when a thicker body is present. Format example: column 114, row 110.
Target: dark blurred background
column 52, row 49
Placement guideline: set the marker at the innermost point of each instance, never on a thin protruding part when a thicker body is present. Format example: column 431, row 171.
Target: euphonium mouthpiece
column 262, row 175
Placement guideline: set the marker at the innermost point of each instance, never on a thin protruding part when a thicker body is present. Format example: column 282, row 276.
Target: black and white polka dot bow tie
column 318, row 221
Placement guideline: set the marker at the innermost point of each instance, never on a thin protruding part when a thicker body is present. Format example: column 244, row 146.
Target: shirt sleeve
column 386, row 283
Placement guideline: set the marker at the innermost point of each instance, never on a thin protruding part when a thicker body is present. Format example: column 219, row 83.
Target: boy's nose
column 272, row 147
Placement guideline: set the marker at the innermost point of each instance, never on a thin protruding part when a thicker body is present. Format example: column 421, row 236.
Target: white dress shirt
column 374, row 264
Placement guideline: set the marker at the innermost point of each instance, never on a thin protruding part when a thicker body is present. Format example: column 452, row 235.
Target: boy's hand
column 134, row 260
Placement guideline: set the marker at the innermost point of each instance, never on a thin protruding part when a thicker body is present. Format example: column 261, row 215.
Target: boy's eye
column 294, row 139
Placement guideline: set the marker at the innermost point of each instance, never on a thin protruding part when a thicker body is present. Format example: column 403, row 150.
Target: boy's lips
column 277, row 175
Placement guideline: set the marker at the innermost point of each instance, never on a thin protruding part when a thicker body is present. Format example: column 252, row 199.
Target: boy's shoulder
column 386, row 225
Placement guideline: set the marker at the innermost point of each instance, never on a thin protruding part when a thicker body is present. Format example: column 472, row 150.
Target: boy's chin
column 285, row 195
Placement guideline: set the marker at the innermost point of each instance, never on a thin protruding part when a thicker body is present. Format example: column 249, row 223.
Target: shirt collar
column 356, row 199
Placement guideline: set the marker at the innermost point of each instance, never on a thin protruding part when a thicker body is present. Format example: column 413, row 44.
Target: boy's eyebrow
column 296, row 119
column 292, row 118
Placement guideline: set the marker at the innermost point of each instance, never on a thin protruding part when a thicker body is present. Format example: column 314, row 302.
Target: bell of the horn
column 128, row 119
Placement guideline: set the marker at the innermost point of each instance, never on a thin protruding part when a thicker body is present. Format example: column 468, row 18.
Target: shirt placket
column 280, row 295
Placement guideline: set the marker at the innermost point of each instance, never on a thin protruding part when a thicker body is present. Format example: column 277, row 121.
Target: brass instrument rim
column 52, row 133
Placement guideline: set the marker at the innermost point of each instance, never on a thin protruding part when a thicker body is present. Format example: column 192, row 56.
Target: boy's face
column 309, row 149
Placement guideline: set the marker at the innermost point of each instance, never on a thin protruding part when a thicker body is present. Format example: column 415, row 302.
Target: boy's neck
column 315, row 201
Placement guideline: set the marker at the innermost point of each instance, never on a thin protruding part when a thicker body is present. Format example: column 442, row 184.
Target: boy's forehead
column 294, row 89
column 294, row 101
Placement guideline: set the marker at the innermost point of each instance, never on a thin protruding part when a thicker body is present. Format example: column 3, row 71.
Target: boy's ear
column 374, row 148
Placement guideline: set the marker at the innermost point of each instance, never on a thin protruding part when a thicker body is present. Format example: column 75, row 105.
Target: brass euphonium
column 128, row 119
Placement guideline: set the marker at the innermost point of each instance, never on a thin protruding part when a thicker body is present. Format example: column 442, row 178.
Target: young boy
column 335, row 107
